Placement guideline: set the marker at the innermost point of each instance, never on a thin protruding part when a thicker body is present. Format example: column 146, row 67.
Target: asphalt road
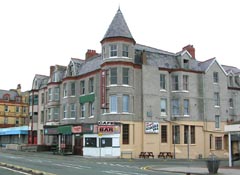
column 7, row 171
column 77, row 165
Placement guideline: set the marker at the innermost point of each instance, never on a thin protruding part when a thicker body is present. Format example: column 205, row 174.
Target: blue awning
column 23, row 130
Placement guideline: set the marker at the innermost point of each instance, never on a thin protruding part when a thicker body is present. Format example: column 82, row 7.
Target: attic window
column 71, row 70
column 186, row 64
column 18, row 99
column 6, row 97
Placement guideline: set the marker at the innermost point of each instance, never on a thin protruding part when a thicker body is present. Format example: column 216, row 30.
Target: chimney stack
column 90, row 53
column 190, row 49
column 52, row 68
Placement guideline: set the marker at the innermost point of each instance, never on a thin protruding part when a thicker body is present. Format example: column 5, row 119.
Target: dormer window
column 231, row 81
column 71, row 71
column 6, row 97
column 18, row 99
column 113, row 50
column 125, row 50
column 186, row 64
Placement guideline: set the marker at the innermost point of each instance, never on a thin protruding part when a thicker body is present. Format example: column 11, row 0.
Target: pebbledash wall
column 159, row 101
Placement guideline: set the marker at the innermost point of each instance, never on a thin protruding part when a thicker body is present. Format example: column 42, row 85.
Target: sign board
column 109, row 129
column 151, row 127
column 232, row 128
column 76, row 129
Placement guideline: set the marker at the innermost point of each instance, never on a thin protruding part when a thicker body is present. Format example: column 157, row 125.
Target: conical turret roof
column 118, row 27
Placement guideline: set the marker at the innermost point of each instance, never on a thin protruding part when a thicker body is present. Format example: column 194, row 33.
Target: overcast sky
column 37, row 34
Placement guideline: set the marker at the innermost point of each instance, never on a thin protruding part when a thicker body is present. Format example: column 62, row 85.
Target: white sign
column 151, row 127
column 231, row 128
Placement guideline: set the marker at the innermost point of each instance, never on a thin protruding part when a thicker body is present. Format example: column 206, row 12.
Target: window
column 175, row 107
column 215, row 77
column 64, row 90
column 162, row 81
column 35, row 101
column 6, row 108
column 55, row 113
column 6, row 97
column 217, row 121
column 105, row 142
column 17, row 121
column 218, row 143
column 175, row 83
column 113, row 75
column 91, row 85
column 17, row 109
column 186, row 134
column 192, row 132
column 186, row 64
column 163, row 106
column 56, row 93
column 42, row 98
column 216, row 99
column 176, row 134
column 125, row 103
column 82, row 87
column 91, row 108
column 73, row 89
column 186, row 107
column 64, row 111
column 50, row 94
column 49, row 113
column 18, row 99
column 82, row 110
column 125, row 75
column 210, row 141
column 125, row 50
column 42, row 116
column 185, row 82
column 125, row 135
column 24, row 109
column 113, row 104
column 91, row 142
column 231, row 103
column 231, row 81
column 73, row 110
column 104, row 52
column 113, row 50
column 5, row 120
column 164, row 133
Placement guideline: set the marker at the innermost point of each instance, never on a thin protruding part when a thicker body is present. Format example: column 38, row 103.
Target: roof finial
column 119, row 7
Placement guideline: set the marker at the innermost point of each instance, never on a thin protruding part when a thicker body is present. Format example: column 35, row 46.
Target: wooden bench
column 165, row 155
column 126, row 152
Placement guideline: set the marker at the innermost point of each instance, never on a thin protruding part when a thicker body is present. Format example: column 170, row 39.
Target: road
column 7, row 171
column 75, row 165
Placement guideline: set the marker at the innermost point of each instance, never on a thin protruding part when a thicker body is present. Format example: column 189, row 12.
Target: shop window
column 125, row 135
column 218, row 143
column 164, row 133
column 91, row 142
column 106, row 142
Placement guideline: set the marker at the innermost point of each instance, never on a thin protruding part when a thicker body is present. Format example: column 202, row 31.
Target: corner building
column 133, row 98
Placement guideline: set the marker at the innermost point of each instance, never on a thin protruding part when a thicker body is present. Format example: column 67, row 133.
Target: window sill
column 163, row 90
column 91, row 116
column 68, row 118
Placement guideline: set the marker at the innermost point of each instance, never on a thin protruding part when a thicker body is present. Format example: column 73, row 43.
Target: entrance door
column 78, row 148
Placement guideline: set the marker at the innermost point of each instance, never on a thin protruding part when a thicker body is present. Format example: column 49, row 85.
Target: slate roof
column 232, row 69
column 12, row 94
column 205, row 64
column 118, row 27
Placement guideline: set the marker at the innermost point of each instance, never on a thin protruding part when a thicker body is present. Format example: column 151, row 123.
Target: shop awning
column 65, row 129
column 22, row 130
column 87, row 98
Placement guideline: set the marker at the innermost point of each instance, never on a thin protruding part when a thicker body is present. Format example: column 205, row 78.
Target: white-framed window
column 231, row 81
column 125, row 75
column 56, row 113
column 64, row 89
column 82, row 87
column 217, row 121
column 186, row 106
column 218, row 143
column 125, row 50
column 163, row 106
column 185, row 82
column 91, row 108
column 50, row 94
column 17, row 109
column 82, row 110
column 113, row 75
column 216, row 99
column 64, row 110
column 49, row 113
column 215, row 77
column 175, row 83
column 73, row 89
column 104, row 54
column 230, row 102
column 125, row 104
column 162, row 81
column 175, row 107
column 91, row 85
column 73, row 110
column 113, row 103
column 113, row 50
column 6, row 108
column 56, row 93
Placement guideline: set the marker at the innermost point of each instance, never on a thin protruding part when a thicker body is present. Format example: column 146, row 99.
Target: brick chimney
column 52, row 68
column 90, row 53
column 190, row 49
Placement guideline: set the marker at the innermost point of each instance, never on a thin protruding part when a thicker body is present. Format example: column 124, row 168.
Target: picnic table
column 146, row 155
column 165, row 155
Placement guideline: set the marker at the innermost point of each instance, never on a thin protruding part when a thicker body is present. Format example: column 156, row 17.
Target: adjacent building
column 13, row 116
column 132, row 98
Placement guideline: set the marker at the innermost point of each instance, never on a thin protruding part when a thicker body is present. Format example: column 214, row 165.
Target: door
column 78, row 148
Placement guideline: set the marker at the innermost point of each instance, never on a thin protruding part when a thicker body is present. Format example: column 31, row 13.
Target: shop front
column 104, row 143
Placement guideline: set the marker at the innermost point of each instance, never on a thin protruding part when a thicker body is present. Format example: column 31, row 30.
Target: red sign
column 76, row 129
column 109, row 129
column 103, row 89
